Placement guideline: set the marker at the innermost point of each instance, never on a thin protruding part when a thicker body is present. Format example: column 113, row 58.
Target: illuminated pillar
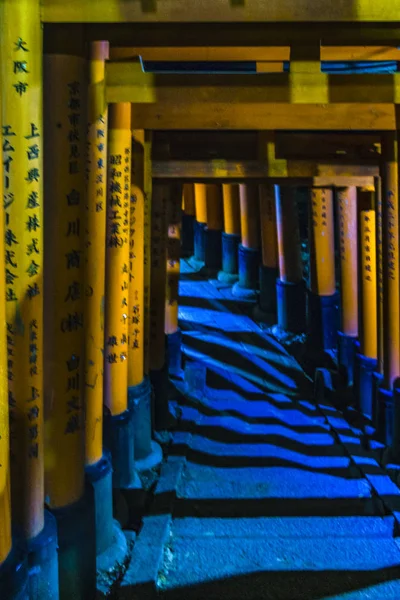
column 172, row 330
column 158, row 362
column 379, row 259
column 269, row 271
column 200, row 225
column 120, row 427
column 322, row 296
column 10, row 563
column 215, row 220
column 391, row 296
column 290, row 288
column 147, row 193
column 346, row 201
column 249, row 249
column 367, row 358
column 98, row 466
column 64, row 178
column 22, row 145
column 188, row 219
column 147, row 452
column 231, row 234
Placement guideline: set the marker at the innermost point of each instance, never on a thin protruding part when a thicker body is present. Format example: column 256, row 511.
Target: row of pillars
column 249, row 236
column 89, row 249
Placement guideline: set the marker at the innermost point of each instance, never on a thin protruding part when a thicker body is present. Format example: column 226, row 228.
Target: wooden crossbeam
column 260, row 54
column 126, row 82
column 219, row 11
column 239, row 170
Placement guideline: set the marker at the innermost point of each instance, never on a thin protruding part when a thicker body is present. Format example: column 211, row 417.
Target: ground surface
column 264, row 494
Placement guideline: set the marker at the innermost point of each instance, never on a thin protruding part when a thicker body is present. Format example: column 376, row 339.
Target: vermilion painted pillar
column 231, row 234
column 200, row 224
column 291, row 298
column 346, row 201
column 65, row 126
column 188, row 219
column 269, row 270
column 249, row 249
column 322, row 296
column 147, row 452
column 391, row 308
column 215, row 224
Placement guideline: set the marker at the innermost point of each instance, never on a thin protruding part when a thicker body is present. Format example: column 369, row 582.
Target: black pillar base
column 377, row 383
column 291, row 305
column 174, row 346
column 14, row 583
column 99, row 477
column 213, row 251
column 385, row 415
column 267, row 297
column 199, row 242
column 364, row 385
column 230, row 264
column 76, row 526
column 43, row 562
column 346, row 355
column 119, row 439
column 139, row 402
column 187, row 245
column 162, row 418
column 249, row 264
column 323, row 320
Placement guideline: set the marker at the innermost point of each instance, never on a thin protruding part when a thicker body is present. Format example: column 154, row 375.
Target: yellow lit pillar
column 200, row 196
column 346, row 201
column 5, row 479
column 65, row 127
column 231, row 233
column 173, row 333
column 120, row 427
column 145, row 151
column 290, row 289
column 188, row 219
column 158, row 362
column 147, row 452
column 269, row 265
column 379, row 260
column 391, row 296
column 249, row 249
column 367, row 359
column 98, row 466
column 322, row 297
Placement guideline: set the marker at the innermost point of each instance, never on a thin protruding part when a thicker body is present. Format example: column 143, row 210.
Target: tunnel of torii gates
column 109, row 175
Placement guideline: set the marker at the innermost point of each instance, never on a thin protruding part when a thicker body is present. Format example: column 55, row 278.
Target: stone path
column 264, row 494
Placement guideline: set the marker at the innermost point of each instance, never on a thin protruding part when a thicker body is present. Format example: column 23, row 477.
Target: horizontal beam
column 284, row 117
column 238, row 170
column 252, row 53
column 220, row 11
column 126, row 82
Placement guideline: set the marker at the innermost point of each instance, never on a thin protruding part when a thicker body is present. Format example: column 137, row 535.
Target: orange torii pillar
column 188, row 219
column 386, row 421
column 98, row 465
column 65, row 128
column 290, row 287
column 367, row 356
column 22, row 147
column 162, row 419
column 231, row 234
column 119, row 421
column 269, row 270
column 249, row 249
column 148, row 453
column 200, row 224
column 213, row 232
column 172, row 330
column 346, row 201
column 322, row 295
column 13, row 563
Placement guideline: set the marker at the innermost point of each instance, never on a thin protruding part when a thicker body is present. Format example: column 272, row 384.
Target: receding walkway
column 264, row 494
